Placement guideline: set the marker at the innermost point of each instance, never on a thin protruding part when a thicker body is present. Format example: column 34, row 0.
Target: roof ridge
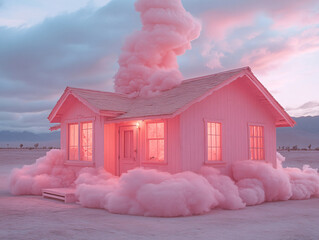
column 213, row 74
column 91, row 90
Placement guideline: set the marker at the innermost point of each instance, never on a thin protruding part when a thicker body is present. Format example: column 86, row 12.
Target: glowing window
column 256, row 142
column 86, row 141
column 214, row 147
column 155, row 141
column 73, row 141
column 80, row 136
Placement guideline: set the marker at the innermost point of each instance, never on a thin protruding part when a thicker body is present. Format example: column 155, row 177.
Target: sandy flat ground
column 32, row 217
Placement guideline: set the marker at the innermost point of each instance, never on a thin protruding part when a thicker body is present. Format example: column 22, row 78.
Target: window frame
column 156, row 162
column 213, row 162
column 263, row 158
column 80, row 162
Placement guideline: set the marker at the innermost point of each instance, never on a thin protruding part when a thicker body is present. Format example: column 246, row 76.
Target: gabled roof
column 169, row 103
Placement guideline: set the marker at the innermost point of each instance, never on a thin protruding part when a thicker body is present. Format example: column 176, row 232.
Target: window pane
column 86, row 141
column 160, row 130
column 213, row 128
column 214, row 144
column 160, row 150
column 251, row 131
column 155, row 135
column 151, row 130
column 152, row 149
column 214, row 154
column 209, row 141
column 209, row 128
column 256, row 142
column 73, row 141
column 252, row 154
column 214, row 147
column 219, row 154
column 73, row 153
column 217, row 128
column 251, row 142
column 218, row 141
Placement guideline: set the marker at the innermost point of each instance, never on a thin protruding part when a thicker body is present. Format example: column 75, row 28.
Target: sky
column 48, row 45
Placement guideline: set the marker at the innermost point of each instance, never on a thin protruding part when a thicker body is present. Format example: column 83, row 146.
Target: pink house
column 212, row 120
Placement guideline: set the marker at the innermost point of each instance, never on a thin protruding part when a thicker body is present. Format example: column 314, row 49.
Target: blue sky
column 48, row 45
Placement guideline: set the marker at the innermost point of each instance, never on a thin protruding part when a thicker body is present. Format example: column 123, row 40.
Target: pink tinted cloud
column 218, row 23
column 261, row 34
column 280, row 50
column 295, row 14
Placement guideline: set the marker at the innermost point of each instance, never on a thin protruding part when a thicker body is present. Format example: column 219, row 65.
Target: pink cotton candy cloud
column 304, row 183
column 148, row 62
column 148, row 192
column 47, row 172
column 227, row 191
column 275, row 182
column 251, row 191
column 143, row 192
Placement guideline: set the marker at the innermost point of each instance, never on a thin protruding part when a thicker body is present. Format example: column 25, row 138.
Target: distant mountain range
column 28, row 139
column 305, row 132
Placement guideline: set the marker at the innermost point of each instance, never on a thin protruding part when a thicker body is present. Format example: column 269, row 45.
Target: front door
column 128, row 148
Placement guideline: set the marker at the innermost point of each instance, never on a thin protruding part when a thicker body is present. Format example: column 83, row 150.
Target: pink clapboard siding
column 235, row 106
column 110, row 155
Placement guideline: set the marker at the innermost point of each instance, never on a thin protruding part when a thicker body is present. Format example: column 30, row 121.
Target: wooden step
column 63, row 194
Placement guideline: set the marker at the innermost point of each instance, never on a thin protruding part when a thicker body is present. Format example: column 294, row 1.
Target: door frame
column 136, row 144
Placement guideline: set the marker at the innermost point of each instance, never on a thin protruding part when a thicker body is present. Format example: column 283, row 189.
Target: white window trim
column 145, row 160
column 248, row 139
column 80, row 162
column 217, row 162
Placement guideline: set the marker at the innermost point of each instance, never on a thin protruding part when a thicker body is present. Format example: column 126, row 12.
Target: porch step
column 63, row 194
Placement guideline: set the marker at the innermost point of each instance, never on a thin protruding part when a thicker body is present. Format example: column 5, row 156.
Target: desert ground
column 32, row 217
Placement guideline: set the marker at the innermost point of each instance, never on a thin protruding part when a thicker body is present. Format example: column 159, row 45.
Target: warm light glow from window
column 155, row 141
column 80, row 141
column 256, row 142
column 214, row 148
column 86, row 141
column 73, row 141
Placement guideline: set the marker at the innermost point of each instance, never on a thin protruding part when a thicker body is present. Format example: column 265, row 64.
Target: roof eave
column 139, row 118
column 289, row 122
column 58, row 105
column 67, row 92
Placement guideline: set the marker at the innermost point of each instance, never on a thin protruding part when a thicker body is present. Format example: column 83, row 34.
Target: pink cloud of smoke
column 148, row 62
column 47, row 172
column 149, row 192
